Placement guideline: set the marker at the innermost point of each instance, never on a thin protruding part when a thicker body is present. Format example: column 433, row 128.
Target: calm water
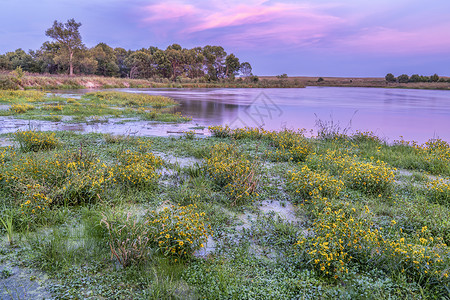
column 390, row 113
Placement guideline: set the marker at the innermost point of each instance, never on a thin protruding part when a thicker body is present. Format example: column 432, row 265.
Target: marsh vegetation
column 243, row 214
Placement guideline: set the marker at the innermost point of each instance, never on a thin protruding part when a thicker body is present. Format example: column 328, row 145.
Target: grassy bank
column 243, row 214
column 55, row 82
column 59, row 82
column 376, row 82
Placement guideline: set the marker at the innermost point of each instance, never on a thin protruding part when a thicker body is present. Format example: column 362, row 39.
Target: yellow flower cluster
column 439, row 190
column 74, row 177
column 343, row 235
column 35, row 201
column 232, row 171
column 370, row 178
column 290, row 145
column 32, row 140
column 136, row 168
column 21, row 108
column 435, row 154
column 52, row 107
column 13, row 96
column 178, row 231
column 309, row 184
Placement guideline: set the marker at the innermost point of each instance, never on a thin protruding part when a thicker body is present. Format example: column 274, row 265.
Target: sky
column 356, row 38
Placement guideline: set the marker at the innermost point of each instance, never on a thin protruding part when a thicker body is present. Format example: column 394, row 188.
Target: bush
column 369, row 178
column 309, row 184
column 21, row 108
column 136, row 169
column 290, row 146
column 32, row 140
column 234, row 173
column 128, row 239
column 178, row 231
column 438, row 190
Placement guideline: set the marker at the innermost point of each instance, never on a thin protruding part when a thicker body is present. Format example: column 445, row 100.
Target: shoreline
column 64, row 82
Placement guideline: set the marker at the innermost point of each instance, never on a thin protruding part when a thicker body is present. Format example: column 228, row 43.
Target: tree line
column 66, row 54
column 404, row 78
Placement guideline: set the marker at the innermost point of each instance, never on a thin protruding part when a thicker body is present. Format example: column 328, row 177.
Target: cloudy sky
column 317, row 38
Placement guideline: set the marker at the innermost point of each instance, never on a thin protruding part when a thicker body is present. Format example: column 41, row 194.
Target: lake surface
column 390, row 113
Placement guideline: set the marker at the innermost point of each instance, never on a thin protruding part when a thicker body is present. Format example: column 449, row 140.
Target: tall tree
column 246, row 69
column 233, row 66
column 68, row 36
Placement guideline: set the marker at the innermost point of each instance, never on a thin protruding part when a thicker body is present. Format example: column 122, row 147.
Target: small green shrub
column 32, row 140
column 178, row 231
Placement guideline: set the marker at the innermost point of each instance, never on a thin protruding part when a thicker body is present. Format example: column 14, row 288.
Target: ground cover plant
column 244, row 214
column 90, row 107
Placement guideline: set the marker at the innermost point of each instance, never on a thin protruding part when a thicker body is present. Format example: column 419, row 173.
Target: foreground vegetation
column 243, row 214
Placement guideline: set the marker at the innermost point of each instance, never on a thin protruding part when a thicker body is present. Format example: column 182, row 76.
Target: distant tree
column 106, row 60
column 434, row 78
column 390, row 77
column 121, row 56
column 403, row 78
column 140, row 64
column 232, row 66
column 215, row 61
column 246, row 69
column 68, row 36
column 4, row 63
column 320, row 79
column 282, row 76
column 19, row 58
column 45, row 57
column 414, row 78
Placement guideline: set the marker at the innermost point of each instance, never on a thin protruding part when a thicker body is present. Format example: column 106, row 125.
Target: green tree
column 434, row 78
column 121, row 57
column 246, row 69
column 414, row 78
column 68, row 36
column 390, row 77
column 106, row 60
column 233, row 66
column 19, row 58
column 403, row 78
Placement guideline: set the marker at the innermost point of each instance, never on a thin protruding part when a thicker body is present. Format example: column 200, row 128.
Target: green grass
column 255, row 255
column 33, row 105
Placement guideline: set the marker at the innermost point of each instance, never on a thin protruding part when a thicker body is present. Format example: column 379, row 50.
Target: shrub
column 234, row 173
column 290, row 146
column 32, row 140
column 220, row 131
column 21, row 108
column 309, row 184
column 35, row 202
column 178, row 231
column 345, row 236
column 128, row 239
column 370, row 178
column 439, row 190
column 136, row 168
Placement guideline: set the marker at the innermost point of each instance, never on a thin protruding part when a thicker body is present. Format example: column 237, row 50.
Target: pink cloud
column 348, row 28
column 243, row 23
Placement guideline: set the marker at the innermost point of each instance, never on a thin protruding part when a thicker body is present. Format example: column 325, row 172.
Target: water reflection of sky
column 390, row 113
column 413, row 114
